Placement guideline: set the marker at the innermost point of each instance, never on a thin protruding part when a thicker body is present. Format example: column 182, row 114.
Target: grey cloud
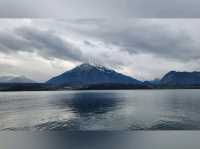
column 44, row 42
column 89, row 43
column 119, row 44
column 142, row 37
column 10, row 42
column 103, row 8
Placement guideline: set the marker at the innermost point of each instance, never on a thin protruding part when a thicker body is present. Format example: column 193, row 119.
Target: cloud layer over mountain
column 142, row 48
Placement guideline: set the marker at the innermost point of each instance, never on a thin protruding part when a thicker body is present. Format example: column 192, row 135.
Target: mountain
column 155, row 81
column 5, row 79
column 15, row 79
column 152, row 82
column 181, row 78
column 88, row 74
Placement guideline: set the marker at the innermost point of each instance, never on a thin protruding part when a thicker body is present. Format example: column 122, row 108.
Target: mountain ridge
column 15, row 79
column 88, row 74
column 88, row 77
column 181, row 78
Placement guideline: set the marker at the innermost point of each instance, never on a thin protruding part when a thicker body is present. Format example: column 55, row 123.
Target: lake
column 101, row 110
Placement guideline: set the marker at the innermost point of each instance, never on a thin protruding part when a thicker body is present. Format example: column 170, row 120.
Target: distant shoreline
column 15, row 87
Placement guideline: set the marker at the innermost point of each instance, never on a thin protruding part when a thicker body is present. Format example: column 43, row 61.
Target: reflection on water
column 101, row 110
column 88, row 102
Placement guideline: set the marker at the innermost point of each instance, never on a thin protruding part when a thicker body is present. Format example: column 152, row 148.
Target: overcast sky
column 142, row 48
column 99, row 8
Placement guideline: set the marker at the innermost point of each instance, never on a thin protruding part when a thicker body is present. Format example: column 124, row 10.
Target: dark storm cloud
column 44, row 42
column 143, row 37
column 97, row 8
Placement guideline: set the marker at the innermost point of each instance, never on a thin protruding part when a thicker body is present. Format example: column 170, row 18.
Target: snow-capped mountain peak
column 86, row 73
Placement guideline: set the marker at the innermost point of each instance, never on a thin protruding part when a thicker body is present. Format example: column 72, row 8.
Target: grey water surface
column 101, row 110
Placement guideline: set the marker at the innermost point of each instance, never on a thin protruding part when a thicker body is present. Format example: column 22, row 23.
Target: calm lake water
column 101, row 110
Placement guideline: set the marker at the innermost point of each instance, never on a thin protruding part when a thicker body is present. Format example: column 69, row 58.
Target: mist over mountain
column 5, row 79
column 15, row 79
column 89, row 74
